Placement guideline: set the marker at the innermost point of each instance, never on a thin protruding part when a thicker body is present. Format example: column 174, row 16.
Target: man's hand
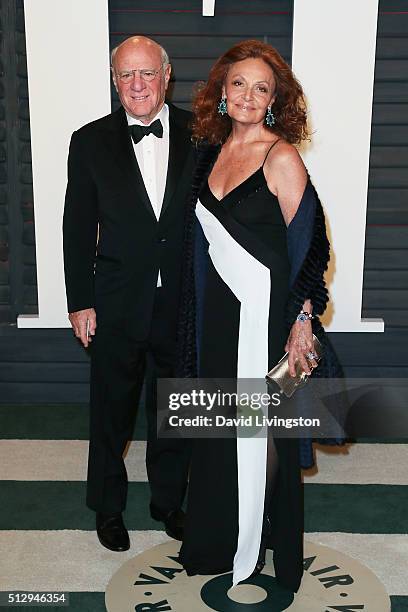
column 84, row 324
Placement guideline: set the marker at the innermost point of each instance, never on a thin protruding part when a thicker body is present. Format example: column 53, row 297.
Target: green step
column 344, row 508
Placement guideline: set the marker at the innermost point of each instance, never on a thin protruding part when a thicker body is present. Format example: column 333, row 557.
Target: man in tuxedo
column 129, row 176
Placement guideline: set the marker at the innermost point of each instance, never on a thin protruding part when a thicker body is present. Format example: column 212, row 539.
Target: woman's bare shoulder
column 284, row 158
column 286, row 177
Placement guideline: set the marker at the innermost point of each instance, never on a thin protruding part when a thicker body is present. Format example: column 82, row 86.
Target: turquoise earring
column 222, row 106
column 270, row 117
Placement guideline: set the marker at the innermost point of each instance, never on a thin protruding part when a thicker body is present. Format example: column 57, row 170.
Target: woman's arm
column 286, row 176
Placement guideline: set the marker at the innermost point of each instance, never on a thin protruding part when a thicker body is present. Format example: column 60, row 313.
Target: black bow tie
column 139, row 131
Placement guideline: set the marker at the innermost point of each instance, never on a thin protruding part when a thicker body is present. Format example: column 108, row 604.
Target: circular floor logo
column 154, row 581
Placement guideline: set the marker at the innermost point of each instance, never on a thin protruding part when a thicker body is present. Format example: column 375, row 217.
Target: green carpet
column 58, row 422
column 95, row 602
column 60, row 505
column 78, row 602
column 399, row 604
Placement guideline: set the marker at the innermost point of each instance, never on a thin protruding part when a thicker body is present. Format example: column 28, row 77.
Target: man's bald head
column 135, row 41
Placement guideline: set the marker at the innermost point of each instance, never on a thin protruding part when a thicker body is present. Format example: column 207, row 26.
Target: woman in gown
column 256, row 251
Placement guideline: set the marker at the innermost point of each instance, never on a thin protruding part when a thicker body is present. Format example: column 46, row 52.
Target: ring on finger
column 311, row 355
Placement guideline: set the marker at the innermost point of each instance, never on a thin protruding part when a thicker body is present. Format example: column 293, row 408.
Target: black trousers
column 118, row 367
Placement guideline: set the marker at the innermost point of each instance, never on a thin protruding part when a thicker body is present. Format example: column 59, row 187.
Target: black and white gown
column 242, row 333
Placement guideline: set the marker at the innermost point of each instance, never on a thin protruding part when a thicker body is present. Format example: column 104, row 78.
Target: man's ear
column 167, row 74
column 114, row 78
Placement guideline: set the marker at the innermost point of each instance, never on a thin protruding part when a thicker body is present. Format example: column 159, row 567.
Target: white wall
column 68, row 81
column 208, row 8
column 333, row 57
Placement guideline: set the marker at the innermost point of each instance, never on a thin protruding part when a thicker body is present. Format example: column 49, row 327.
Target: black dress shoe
column 173, row 521
column 112, row 533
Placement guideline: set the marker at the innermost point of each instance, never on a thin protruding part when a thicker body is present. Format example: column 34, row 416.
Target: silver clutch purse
column 280, row 373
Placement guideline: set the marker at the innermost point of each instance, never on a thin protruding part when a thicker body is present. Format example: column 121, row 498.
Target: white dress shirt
column 152, row 156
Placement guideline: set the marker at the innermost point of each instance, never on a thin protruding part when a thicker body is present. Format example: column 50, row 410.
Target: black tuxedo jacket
column 113, row 244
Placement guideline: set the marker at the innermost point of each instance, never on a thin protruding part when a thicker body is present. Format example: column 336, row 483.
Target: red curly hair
column 289, row 107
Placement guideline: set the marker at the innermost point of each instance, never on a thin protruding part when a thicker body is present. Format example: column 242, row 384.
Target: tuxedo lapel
column 121, row 146
column 179, row 146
